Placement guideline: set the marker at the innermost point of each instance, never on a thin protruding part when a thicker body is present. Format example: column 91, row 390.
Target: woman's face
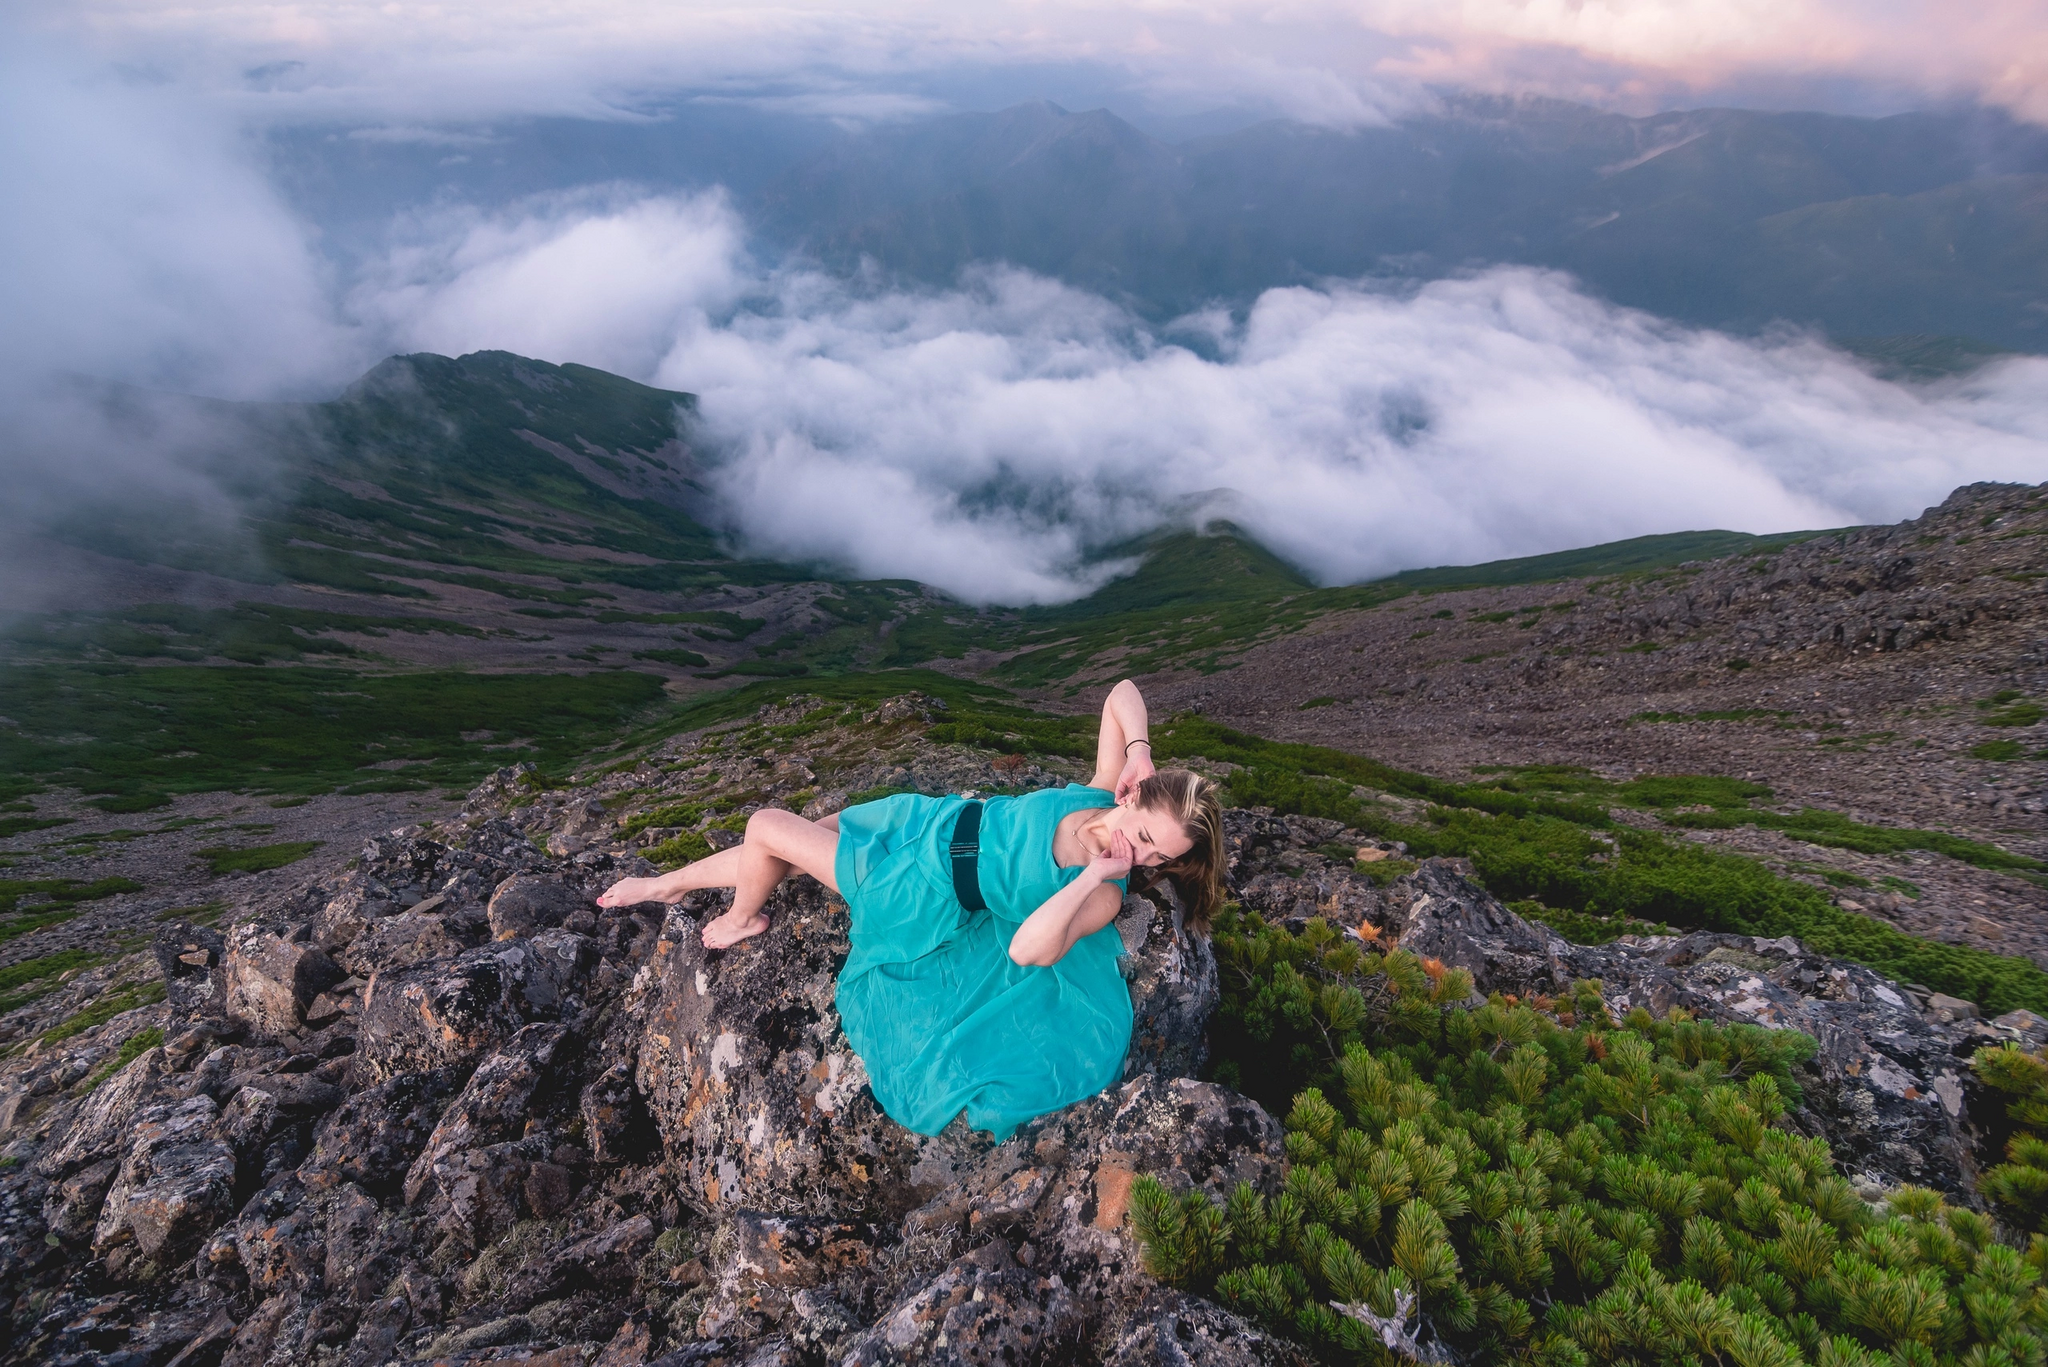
column 1156, row 836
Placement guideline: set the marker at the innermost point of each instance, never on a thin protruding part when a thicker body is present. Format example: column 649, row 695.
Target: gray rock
column 758, row 1098
column 399, row 942
column 100, row 1127
column 176, row 1183
column 1170, row 1329
column 450, row 1010
column 982, row 1309
column 193, row 961
column 272, row 980
column 527, row 903
column 1174, row 989
column 492, row 1105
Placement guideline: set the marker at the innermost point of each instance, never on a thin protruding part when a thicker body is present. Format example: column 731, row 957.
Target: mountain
column 1920, row 223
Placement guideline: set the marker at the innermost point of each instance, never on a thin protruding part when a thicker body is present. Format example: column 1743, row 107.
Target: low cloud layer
column 990, row 439
column 996, row 438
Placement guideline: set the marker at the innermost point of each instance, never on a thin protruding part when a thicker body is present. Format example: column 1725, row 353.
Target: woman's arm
column 1082, row 907
column 1123, row 754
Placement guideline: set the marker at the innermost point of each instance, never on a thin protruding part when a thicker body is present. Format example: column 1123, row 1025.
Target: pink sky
column 1329, row 62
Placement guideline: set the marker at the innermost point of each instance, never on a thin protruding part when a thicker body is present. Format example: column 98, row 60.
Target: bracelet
column 1139, row 741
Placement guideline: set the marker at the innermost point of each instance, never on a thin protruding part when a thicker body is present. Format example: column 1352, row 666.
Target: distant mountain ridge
column 1921, row 223
column 552, row 516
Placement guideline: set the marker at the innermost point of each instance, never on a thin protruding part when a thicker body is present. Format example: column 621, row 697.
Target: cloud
column 992, row 438
column 1342, row 62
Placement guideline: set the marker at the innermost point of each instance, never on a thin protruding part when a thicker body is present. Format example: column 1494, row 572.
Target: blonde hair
column 1197, row 875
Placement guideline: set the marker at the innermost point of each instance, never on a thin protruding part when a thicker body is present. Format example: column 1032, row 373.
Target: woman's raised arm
column 1123, row 752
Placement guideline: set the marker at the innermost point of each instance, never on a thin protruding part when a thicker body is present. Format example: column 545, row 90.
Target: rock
column 375, row 1136
column 72, row 1208
column 176, row 1183
column 492, row 1105
column 526, row 903
column 399, row 942
column 764, row 1261
column 1947, row 1010
column 192, row 960
column 1174, row 988
column 1451, row 919
column 354, row 909
column 272, row 980
column 1174, row 1330
column 583, row 823
column 449, row 1010
column 982, row 1309
column 759, row 1100
column 608, row 1257
column 610, row 1105
column 100, row 1128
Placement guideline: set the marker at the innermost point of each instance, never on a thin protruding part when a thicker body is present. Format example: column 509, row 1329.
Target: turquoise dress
column 930, row 998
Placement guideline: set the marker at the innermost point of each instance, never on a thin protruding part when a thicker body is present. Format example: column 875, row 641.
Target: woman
column 983, row 974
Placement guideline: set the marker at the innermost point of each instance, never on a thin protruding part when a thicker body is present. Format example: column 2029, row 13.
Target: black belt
column 966, row 854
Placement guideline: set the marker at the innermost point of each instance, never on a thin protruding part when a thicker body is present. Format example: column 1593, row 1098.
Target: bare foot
column 728, row 931
column 629, row 892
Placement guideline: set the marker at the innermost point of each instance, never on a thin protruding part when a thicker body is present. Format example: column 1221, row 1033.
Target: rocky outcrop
column 447, row 1011
column 532, row 1130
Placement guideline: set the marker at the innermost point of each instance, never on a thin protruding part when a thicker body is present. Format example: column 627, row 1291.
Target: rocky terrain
column 1853, row 673
column 439, row 1107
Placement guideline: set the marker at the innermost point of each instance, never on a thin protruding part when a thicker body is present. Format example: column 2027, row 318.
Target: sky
column 993, row 436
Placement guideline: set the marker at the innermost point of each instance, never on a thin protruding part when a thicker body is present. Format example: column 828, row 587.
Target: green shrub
column 1532, row 1182
column 2018, row 1188
column 677, row 851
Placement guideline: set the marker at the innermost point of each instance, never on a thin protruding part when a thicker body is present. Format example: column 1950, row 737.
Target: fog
column 996, row 438
column 991, row 438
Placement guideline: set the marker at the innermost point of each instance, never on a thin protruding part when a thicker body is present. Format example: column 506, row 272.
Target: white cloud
column 987, row 438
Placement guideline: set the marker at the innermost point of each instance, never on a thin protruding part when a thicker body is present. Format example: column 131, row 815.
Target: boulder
column 527, row 903
column 1174, row 988
column 1169, row 1329
column 399, row 942
column 271, row 980
column 100, row 1127
column 374, row 1137
column 492, row 1105
column 193, row 961
column 583, row 823
column 448, row 1011
column 759, row 1100
column 983, row 1308
column 176, row 1183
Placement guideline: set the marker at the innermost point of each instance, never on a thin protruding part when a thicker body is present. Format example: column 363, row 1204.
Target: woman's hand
column 1114, row 862
column 1137, row 768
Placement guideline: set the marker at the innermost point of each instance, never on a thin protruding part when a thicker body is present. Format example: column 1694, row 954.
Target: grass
column 108, row 1006
column 32, row 979
column 132, row 1048
column 224, row 859
column 136, row 736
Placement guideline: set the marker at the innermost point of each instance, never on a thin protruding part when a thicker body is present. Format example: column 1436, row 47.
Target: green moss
column 2000, row 750
column 132, row 1048
column 673, row 853
column 687, row 658
column 222, row 859
column 108, row 1006
column 31, row 979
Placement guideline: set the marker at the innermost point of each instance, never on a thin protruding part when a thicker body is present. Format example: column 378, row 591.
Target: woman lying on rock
column 983, row 974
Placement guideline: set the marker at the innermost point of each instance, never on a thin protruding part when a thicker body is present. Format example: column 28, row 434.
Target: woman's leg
column 776, row 842
column 779, row 840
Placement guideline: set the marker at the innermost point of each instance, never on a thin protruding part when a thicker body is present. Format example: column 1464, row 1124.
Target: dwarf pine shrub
column 2018, row 1188
column 1533, row 1182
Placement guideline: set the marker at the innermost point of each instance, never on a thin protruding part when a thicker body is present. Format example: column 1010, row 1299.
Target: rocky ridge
column 448, row 1110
